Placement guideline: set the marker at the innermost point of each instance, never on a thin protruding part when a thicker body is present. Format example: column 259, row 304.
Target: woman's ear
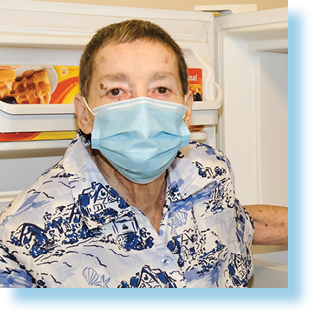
column 189, row 104
column 85, row 118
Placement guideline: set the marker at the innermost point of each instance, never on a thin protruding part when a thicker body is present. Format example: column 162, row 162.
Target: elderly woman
column 133, row 203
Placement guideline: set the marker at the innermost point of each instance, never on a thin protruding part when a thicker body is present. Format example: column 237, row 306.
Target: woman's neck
column 149, row 198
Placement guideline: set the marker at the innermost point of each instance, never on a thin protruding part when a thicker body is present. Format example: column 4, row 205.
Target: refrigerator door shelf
column 35, row 109
column 37, row 123
column 7, row 196
column 204, row 117
column 216, row 104
column 199, row 136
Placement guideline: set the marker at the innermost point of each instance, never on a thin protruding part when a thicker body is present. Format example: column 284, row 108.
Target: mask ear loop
column 88, row 107
column 185, row 105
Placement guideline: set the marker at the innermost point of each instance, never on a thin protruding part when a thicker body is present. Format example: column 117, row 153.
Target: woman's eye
column 162, row 90
column 114, row 92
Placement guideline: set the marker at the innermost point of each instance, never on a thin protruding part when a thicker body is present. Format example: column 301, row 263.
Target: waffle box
column 38, row 84
column 36, row 102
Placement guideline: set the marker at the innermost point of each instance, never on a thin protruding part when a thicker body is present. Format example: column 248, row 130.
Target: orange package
column 195, row 82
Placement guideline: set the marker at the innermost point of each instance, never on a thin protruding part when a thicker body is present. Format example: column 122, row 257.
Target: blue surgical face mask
column 141, row 136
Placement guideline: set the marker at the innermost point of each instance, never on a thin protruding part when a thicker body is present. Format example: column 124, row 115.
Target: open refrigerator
column 242, row 59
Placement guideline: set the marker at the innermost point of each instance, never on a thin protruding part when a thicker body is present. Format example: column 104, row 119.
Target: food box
column 38, row 84
column 195, row 83
column 36, row 102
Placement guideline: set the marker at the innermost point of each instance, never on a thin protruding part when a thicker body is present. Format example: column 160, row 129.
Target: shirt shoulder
column 204, row 154
column 198, row 165
column 23, row 221
column 52, row 189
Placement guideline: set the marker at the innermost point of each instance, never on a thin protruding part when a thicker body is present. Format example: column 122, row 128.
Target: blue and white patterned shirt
column 71, row 229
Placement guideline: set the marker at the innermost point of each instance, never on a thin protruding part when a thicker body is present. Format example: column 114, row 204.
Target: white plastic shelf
column 199, row 136
column 36, row 109
column 8, row 196
column 33, row 145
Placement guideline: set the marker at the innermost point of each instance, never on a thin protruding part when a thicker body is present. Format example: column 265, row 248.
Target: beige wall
column 180, row 4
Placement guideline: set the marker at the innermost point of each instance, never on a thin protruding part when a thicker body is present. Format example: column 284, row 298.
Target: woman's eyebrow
column 115, row 77
column 111, row 78
column 163, row 75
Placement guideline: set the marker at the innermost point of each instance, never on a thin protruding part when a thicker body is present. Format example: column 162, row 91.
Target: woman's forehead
column 138, row 56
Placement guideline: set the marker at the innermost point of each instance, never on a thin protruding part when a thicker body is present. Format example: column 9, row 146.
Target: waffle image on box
column 38, row 84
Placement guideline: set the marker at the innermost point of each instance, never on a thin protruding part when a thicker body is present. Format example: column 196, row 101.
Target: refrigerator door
column 252, row 69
